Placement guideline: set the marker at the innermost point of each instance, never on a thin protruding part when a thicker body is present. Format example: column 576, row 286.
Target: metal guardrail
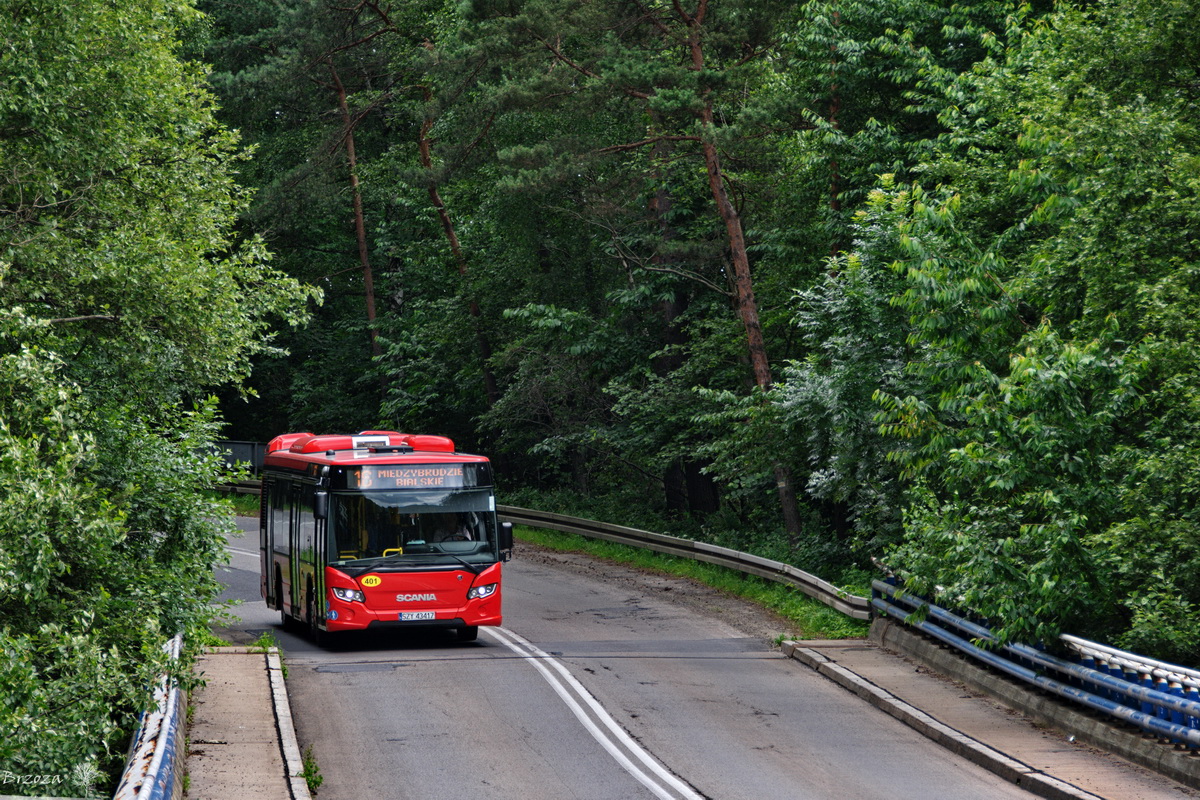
column 816, row 588
column 154, row 770
column 242, row 487
column 1111, row 659
column 852, row 605
column 1144, row 697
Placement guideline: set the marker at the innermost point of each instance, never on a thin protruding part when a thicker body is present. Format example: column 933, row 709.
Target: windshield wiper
column 475, row 569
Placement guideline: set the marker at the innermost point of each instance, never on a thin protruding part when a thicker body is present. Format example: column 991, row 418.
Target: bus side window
column 279, row 516
column 306, row 534
column 264, row 528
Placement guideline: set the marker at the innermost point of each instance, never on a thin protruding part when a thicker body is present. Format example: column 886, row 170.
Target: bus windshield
column 412, row 528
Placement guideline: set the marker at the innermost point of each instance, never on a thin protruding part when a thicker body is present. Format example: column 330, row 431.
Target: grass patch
column 210, row 639
column 244, row 505
column 264, row 642
column 311, row 772
column 812, row 619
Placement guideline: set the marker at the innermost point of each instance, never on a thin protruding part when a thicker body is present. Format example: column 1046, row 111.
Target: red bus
column 380, row 529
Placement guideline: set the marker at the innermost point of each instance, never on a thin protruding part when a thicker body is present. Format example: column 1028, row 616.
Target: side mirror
column 321, row 505
column 506, row 536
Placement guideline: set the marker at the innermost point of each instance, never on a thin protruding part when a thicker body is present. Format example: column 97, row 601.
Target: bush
column 105, row 553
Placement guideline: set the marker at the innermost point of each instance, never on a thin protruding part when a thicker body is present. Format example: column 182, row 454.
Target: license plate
column 410, row 616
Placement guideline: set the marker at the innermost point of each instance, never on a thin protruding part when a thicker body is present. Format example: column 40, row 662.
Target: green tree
column 857, row 343
column 126, row 298
column 277, row 68
column 1007, row 439
column 877, row 77
column 683, row 73
column 1048, row 421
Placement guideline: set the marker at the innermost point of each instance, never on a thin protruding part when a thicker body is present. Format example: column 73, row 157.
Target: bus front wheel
column 468, row 633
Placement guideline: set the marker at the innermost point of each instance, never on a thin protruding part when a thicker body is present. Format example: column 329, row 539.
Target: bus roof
column 379, row 447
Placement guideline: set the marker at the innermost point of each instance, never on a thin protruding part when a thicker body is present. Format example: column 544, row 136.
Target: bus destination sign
column 416, row 476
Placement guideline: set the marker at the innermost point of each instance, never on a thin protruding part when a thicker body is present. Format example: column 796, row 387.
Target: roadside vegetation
column 809, row 618
column 241, row 505
column 126, row 299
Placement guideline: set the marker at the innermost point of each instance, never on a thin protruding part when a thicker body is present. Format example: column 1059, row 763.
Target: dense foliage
column 124, row 301
column 893, row 284
column 865, row 285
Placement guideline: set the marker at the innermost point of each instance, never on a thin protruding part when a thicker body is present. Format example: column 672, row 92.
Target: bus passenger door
column 319, row 552
column 265, row 546
column 295, row 520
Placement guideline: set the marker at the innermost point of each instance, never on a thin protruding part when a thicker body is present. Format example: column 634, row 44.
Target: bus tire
column 468, row 633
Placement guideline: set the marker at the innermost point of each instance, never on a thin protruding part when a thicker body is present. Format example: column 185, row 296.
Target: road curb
column 288, row 744
column 982, row 755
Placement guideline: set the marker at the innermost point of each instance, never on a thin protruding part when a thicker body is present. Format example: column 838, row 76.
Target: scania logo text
column 414, row 598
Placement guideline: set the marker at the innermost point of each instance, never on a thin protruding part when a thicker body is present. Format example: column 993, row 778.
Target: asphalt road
column 591, row 689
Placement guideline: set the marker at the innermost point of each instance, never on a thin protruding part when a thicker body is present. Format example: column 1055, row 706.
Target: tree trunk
column 360, row 228
column 675, row 489
column 702, row 494
column 743, row 284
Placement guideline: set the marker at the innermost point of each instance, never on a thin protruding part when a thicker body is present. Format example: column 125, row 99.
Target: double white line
column 599, row 723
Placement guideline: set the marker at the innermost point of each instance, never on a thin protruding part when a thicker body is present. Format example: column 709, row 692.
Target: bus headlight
column 349, row 595
column 480, row 592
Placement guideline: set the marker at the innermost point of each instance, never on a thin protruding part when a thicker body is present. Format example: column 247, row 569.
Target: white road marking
column 662, row 783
